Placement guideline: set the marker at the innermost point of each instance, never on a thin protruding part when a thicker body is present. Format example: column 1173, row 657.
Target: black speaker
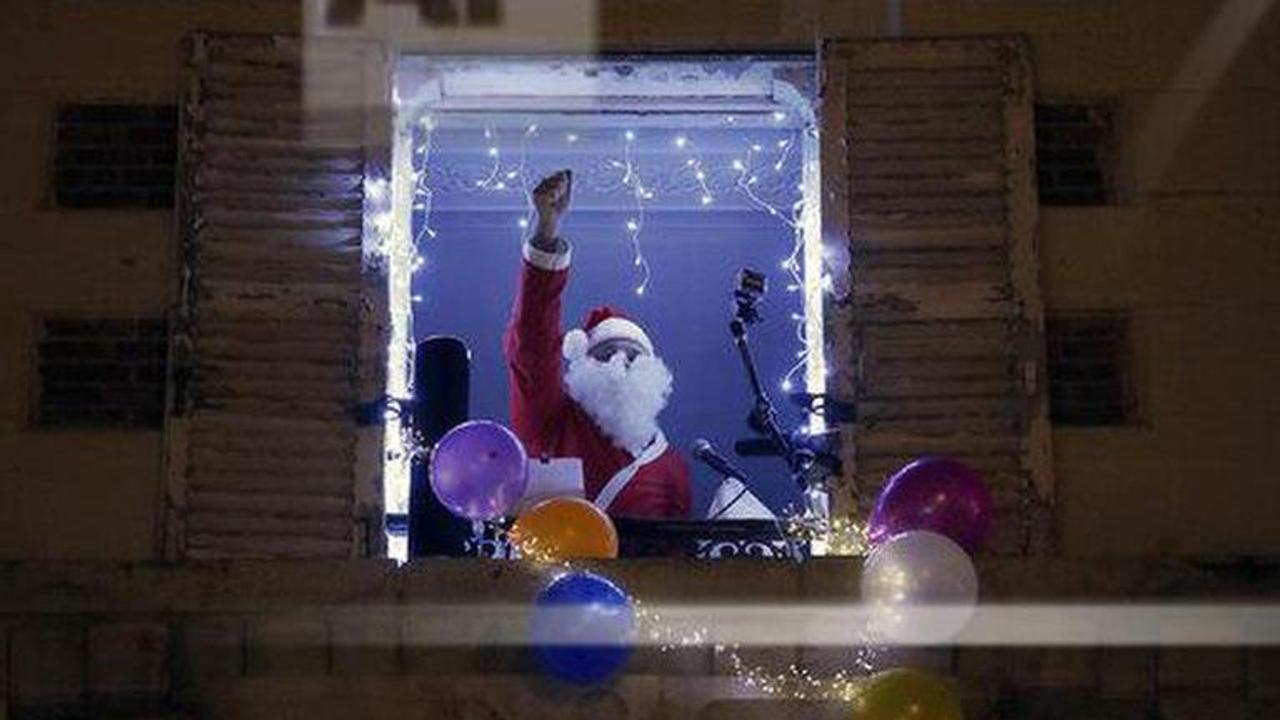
column 442, row 400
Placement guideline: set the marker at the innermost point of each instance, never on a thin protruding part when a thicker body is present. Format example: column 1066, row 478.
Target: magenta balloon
column 935, row 494
column 479, row 470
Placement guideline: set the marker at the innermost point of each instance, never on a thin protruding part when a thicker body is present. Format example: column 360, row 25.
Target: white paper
column 740, row 502
column 555, row 477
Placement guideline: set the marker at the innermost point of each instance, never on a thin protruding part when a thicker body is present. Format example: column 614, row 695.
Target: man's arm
column 533, row 338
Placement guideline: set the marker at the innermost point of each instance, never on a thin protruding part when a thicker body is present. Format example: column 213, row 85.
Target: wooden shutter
column 277, row 336
column 929, row 176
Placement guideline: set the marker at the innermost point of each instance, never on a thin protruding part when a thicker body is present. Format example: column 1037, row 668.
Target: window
column 1073, row 153
column 679, row 173
column 684, row 173
column 101, row 373
column 115, row 156
column 1090, row 373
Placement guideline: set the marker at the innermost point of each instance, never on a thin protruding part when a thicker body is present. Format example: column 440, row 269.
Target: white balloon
column 919, row 587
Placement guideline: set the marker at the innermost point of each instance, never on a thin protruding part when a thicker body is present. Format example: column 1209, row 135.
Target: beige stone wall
column 1193, row 253
column 70, row 493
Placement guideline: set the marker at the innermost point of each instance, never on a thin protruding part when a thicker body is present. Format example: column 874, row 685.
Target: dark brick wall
column 101, row 372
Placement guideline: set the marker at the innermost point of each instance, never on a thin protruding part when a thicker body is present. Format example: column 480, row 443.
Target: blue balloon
column 581, row 628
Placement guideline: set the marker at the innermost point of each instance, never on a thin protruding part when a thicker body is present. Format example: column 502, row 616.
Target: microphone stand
column 764, row 418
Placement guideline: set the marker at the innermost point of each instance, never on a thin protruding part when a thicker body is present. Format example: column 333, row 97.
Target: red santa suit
column 654, row 484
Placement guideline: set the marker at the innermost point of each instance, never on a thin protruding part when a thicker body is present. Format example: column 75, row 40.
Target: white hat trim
column 618, row 328
column 576, row 342
column 574, row 345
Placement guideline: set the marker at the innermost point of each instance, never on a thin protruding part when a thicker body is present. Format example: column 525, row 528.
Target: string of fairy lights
column 501, row 176
column 796, row 681
column 402, row 249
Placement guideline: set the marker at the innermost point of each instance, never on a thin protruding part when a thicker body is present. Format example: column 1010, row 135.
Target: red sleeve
column 532, row 347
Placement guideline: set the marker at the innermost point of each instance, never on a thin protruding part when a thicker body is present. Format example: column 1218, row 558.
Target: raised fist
column 551, row 199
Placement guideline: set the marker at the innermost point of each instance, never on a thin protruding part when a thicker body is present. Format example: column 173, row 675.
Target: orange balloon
column 564, row 528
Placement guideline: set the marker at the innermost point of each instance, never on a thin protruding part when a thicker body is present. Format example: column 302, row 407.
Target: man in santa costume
column 603, row 405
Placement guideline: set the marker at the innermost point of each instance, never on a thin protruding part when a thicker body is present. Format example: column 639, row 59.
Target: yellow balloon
column 906, row 694
column 565, row 528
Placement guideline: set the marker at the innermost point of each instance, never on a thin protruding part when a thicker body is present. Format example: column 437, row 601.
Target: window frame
column 1131, row 380
column 54, row 158
column 1113, row 159
column 35, row 384
column 800, row 91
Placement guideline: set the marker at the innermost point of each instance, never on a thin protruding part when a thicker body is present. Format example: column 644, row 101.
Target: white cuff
column 547, row 260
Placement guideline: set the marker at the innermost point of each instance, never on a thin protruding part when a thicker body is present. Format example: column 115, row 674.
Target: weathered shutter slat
column 906, row 239
column 270, row 470
column 264, row 434
column 269, row 505
column 233, row 155
column 210, row 546
column 927, row 165
column 241, row 435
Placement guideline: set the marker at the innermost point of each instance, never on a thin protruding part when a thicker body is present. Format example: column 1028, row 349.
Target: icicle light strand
column 639, row 194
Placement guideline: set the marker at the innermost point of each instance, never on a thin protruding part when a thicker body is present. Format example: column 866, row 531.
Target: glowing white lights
column 759, row 162
column 631, row 179
column 706, row 197
column 800, row 263
column 803, row 266
column 395, row 202
column 376, row 188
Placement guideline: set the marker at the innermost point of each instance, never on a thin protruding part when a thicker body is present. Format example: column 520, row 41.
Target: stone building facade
column 1172, row 498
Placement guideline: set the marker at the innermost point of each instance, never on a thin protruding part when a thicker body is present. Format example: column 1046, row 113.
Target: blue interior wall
column 469, row 280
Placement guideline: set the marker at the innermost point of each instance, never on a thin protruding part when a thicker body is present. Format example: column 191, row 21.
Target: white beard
column 623, row 401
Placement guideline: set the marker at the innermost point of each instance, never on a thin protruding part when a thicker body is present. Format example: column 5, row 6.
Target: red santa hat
column 603, row 323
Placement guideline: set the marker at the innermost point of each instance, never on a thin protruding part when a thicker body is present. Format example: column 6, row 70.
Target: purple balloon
column 479, row 470
column 935, row 494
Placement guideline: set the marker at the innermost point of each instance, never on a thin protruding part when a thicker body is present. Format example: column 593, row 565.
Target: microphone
column 705, row 453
